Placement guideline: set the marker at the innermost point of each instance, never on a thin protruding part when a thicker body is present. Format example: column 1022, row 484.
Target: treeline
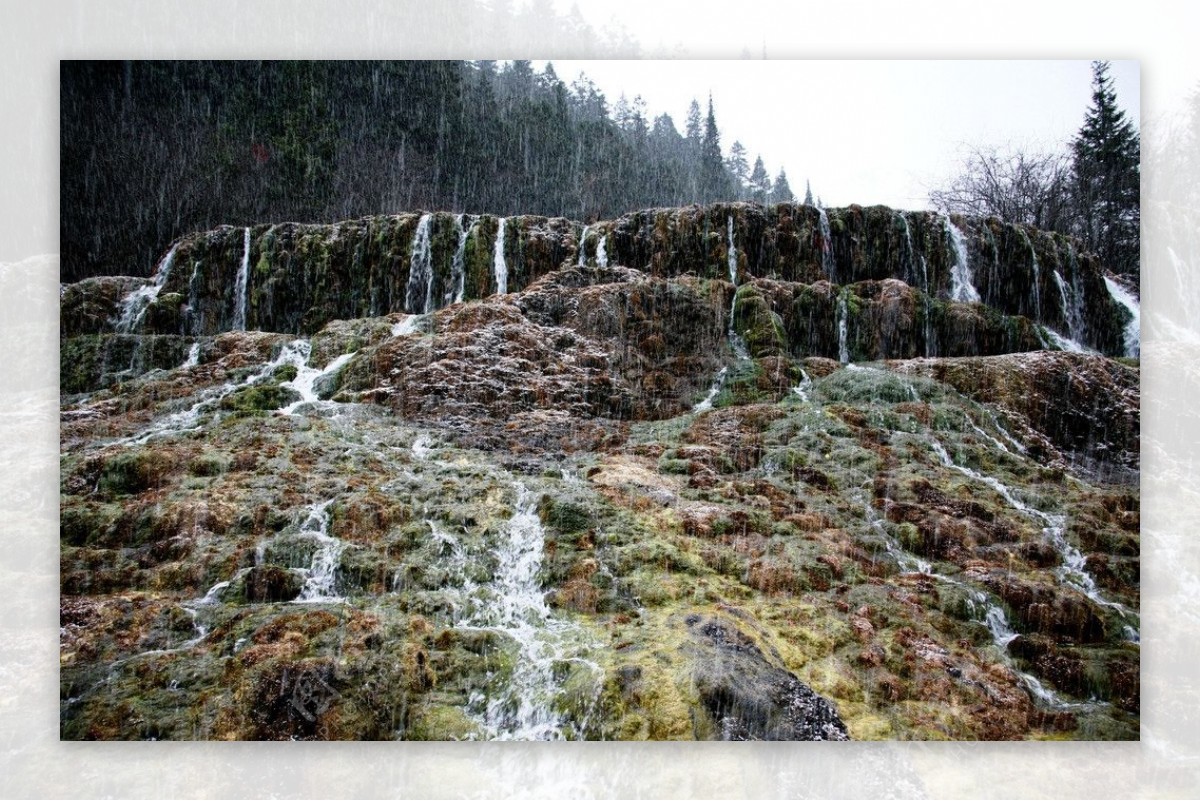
column 1089, row 189
column 153, row 150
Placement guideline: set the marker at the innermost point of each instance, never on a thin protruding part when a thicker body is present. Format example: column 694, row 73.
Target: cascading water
column 319, row 579
column 1037, row 274
column 962, row 287
column 826, row 243
column 243, row 277
column 134, row 305
column 458, row 274
column 297, row 354
column 735, row 340
column 1133, row 329
column 525, row 705
column 406, row 326
column 189, row 419
column 499, row 267
column 418, row 299
column 707, row 403
column 582, row 239
column 1072, row 571
column 193, row 357
column 731, row 253
column 802, row 389
column 602, row 251
column 843, row 314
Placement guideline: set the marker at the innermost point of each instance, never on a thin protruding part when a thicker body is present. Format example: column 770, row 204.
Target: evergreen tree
column 760, row 182
column 808, row 198
column 692, row 128
column 714, row 182
column 1106, row 175
column 738, row 167
column 782, row 192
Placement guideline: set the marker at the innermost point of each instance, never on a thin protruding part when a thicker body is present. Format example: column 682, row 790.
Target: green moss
column 258, row 399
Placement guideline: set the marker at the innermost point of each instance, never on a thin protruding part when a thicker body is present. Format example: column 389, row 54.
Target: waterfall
column 1037, row 275
column 962, row 288
column 134, row 305
column 982, row 607
column 297, row 354
column 420, row 447
column 843, row 313
column 1133, row 329
column 582, row 239
column 707, row 403
column 1073, row 571
column 419, row 295
column 1070, row 312
column 731, row 254
column 826, row 243
column 406, row 326
column 458, row 274
column 498, row 266
column 909, row 258
column 803, row 387
column 522, row 706
column 736, row 342
column 319, row 577
column 602, row 251
column 193, row 357
column 243, row 276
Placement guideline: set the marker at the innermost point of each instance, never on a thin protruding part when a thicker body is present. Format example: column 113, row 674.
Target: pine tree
column 739, row 167
column 1106, row 175
column 760, row 182
column 692, row 128
column 808, row 198
column 782, row 192
column 714, row 181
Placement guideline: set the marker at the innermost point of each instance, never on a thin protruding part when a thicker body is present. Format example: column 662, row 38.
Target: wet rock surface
column 630, row 501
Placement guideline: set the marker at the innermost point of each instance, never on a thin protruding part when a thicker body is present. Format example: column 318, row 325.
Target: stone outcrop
column 298, row 277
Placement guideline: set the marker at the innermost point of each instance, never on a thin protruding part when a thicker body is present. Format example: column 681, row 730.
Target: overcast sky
column 868, row 131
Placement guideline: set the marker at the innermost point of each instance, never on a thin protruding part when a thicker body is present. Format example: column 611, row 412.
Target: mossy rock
column 258, row 399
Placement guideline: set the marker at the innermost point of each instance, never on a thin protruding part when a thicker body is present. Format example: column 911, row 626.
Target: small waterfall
column 826, row 243
column 297, row 354
column 523, row 707
column 909, row 256
column 499, row 267
column 1073, row 571
column 134, row 305
column 458, row 274
column 419, row 295
column 736, row 343
column 707, row 403
column 962, row 287
column 243, row 276
column 193, row 357
column 406, row 326
column 582, row 239
column 843, row 314
column 802, row 389
column 319, row 577
column 731, row 254
column 602, row 251
column 420, row 447
column 1070, row 312
column 1037, row 275
column 1133, row 329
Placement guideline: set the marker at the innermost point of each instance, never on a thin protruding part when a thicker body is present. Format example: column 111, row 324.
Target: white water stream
column 134, row 305
column 499, row 266
column 418, row 297
column 243, row 277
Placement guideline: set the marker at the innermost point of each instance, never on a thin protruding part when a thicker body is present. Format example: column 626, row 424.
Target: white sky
column 866, row 131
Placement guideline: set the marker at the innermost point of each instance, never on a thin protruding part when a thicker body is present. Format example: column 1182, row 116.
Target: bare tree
column 1013, row 184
